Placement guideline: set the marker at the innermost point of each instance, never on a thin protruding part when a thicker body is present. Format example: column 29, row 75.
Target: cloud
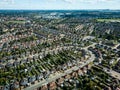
column 87, row 1
column 84, row 1
column 7, row 1
column 60, row 4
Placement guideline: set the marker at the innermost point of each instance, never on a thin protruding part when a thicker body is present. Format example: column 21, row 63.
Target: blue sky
column 59, row 4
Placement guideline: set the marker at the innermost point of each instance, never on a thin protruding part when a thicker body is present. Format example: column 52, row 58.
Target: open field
column 108, row 20
column 16, row 21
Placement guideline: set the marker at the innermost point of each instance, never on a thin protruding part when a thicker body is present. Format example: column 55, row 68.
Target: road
column 42, row 53
column 115, row 47
column 112, row 73
column 58, row 75
column 115, row 74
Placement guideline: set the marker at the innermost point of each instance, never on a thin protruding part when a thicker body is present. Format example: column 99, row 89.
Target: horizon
column 66, row 9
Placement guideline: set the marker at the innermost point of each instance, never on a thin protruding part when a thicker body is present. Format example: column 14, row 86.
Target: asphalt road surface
column 59, row 75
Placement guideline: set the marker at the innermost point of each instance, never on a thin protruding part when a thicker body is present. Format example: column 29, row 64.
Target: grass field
column 108, row 20
column 20, row 22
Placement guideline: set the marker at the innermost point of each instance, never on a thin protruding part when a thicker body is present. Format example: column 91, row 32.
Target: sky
column 59, row 4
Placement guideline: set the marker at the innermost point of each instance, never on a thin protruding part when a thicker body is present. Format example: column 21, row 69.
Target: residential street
column 58, row 75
